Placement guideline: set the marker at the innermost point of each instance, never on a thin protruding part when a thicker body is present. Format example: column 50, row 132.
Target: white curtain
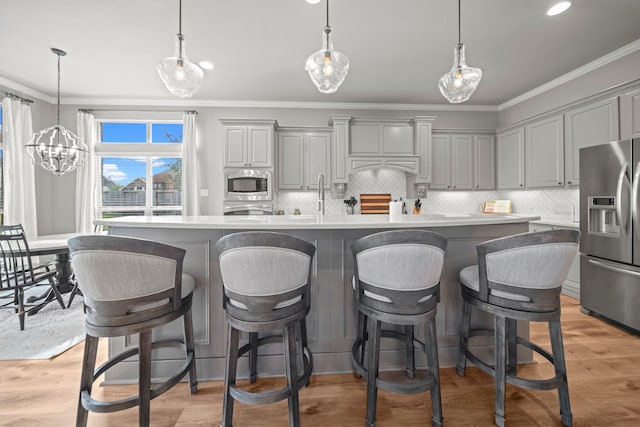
column 87, row 188
column 190, row 180
column 19, row 173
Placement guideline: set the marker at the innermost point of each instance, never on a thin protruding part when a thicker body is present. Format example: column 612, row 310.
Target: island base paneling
column 332, row 321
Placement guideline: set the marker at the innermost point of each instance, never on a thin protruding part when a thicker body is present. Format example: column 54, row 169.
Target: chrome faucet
column 321, row 194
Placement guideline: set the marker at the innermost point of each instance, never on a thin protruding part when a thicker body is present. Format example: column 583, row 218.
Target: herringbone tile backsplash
column 552, row 203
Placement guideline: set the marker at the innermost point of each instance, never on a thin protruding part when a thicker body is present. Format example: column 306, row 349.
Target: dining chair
column 19, row 272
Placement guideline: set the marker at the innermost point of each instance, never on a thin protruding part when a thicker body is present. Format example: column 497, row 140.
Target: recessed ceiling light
column 313, row 1
column 558, row 8
column 206, row 65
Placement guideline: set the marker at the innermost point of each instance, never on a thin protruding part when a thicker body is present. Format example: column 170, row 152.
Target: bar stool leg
column 557, row 347
column 233, row 337
column 253, row 357
column 363, row 321
column 86, row 378
column 500, row 368
column 372, row 372
column 512, row 347
column 464, row 338
column 144, row 375
column 409, row 352
column 289, row 343
column 431, row 348
column 189, row 343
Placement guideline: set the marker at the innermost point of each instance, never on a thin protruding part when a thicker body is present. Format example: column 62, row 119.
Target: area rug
column 46, row 334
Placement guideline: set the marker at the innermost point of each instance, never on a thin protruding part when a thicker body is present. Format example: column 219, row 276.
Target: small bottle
column 404, row 206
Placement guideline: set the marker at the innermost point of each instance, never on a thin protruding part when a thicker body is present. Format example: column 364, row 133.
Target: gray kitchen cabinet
column 377, row 137
column 510, row 159
column 455, row 164
column 248, row 144
column 404, row 164
column 593, row 124
column 484, row 155
column 302, row 156
column 544, row 153
column 571, row 285
column 630, row 114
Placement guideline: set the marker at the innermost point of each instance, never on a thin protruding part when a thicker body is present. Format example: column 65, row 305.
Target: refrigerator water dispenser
column 603, row 218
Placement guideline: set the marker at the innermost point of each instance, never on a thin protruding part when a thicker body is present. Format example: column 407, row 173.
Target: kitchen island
column 331, row 323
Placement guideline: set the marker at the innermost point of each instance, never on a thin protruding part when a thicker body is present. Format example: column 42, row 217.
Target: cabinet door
column 259, row 146
column 590, row 125
column 440, row 162
column 544, row 153
column 235, row 146
column 484, row 162
column 318, row 158
column 365, row 139
column 630, row 115
column 462, row 162
column 510, row 154
column 290, row 159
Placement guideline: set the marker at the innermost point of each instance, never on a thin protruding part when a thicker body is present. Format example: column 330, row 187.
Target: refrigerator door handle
column 623, row 214
column 634, row 201
column 612, row 267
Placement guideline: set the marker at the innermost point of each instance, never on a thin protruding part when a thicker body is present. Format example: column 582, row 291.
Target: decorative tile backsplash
column 551, row 203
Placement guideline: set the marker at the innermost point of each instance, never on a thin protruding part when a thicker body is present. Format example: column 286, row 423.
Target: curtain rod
column 19, row 98
column 89, row 110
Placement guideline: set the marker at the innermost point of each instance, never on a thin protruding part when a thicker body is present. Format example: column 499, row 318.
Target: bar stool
column 130, row 286
column 397, row 281
column 519, row 278
column 266, row 278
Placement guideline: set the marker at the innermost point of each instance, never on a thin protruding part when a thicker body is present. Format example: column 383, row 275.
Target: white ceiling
column 398, row 48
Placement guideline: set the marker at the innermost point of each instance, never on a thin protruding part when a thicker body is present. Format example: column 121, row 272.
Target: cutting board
column 374, row 203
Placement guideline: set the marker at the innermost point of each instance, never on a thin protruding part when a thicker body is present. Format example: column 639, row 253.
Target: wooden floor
column 603, row 369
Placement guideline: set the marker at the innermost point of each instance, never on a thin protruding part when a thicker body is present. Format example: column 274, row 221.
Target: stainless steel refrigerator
column 610, row 231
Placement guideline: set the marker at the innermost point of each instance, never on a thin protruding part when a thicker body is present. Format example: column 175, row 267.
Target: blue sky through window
column 123, row 170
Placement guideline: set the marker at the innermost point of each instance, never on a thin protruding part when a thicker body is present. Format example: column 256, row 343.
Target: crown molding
column 578, row 72
column 27, row 90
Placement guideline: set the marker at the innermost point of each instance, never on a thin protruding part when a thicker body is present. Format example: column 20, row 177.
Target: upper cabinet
column 544, row 153
column 380, row 138
column 462, row 162
column 593, row 124
column 302, row 157
column 630, row 114
column 248, row 143
column 510, row 159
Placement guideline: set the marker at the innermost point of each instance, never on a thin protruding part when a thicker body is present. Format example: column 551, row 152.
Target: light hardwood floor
column 602, row 365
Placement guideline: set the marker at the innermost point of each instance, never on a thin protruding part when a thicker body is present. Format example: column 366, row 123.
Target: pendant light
column 181, row 76
column 327, row 67
column 461, row 81
column 57, row 149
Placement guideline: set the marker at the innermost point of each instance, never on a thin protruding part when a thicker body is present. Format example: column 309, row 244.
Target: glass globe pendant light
column 327, row 67
column 57, row 149
column 181, row 76
column 461, row 81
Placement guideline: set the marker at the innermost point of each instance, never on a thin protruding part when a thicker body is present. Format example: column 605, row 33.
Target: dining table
column 54, row 244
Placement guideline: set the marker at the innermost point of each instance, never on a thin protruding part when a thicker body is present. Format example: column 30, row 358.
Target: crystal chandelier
column 57, row 149
column 181, row 76
column 327, row 67
column 461, row 81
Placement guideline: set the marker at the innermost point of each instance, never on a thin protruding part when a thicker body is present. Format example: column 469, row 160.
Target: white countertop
column 313, row 221
column 559, row 222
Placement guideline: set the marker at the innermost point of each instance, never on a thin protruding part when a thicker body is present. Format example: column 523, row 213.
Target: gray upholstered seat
column 266, row 280
column 397, row 281
column 519, row 278
column 131, row 286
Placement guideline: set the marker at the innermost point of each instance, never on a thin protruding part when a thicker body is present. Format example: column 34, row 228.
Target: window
column 140, row 165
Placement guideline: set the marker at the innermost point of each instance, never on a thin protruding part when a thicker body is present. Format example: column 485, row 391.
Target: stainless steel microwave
column 248, row 184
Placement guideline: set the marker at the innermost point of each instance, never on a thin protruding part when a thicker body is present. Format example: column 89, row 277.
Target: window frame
column 147, row 150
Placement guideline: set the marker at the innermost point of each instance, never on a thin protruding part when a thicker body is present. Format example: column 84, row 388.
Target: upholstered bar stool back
column 131, row 286
column 519, row 278
column 397, row 281
column 266, row 278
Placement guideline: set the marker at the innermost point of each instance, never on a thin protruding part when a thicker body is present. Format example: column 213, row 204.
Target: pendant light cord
column 327, row 13
column 58, row 89
column 459, row 22
column 180, row 37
